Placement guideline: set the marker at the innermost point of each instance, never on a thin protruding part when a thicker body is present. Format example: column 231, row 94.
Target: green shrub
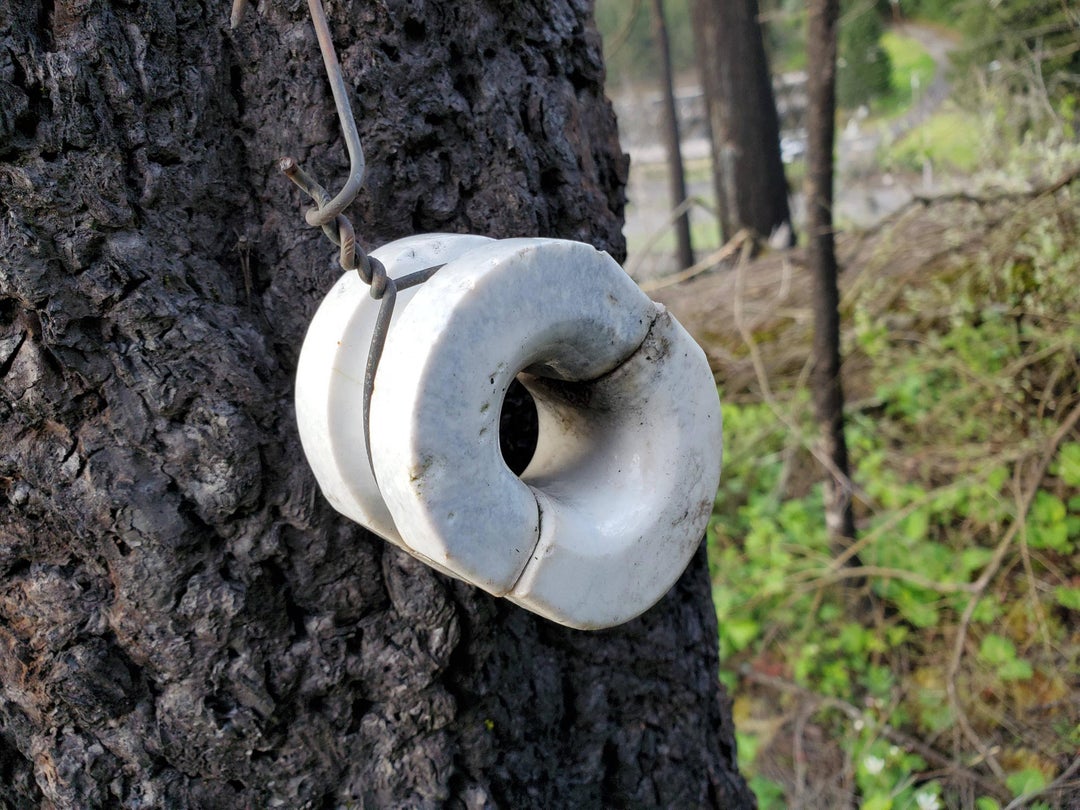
column 970, row 369
column 864, row 71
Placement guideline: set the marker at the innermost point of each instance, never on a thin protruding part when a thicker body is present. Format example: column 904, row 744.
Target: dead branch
column 897, row 737
column 980, row 585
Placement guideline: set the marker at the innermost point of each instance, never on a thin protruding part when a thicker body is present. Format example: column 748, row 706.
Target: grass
column 912, row 72
column 958, row 688
column 950, row 139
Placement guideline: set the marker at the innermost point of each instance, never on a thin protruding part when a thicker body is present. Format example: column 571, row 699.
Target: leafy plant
column 950, row 634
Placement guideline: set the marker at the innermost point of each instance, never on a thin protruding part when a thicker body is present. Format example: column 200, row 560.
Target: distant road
column 638, row 113
column 858, row 147
column 939, row 47
column 863, row 194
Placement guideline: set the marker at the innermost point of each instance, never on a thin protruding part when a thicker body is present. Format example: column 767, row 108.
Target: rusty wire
column 327, row 213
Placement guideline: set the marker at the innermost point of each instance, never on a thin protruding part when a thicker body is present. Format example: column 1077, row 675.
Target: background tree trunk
column 184, row 622
column 672, row 140
column 744, row 129
column 821, row 256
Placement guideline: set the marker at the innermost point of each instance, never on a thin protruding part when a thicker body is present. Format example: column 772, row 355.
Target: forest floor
column 959, row 685
column 961, row 688
column 770, row 294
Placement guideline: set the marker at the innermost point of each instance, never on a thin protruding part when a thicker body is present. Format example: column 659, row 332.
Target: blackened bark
column 743, row 125
column 672, row 141
column 184, row 622
column 821, row 256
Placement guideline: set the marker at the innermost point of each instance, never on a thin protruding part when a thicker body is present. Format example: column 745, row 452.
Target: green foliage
column 883, row 775
column 1041, row 33
column 950, row 139
column 1026, row 781
column 784, row 29
column 770, row 796
column 1000, row 653
column 965, row 375
column 940, row 11
column 912, row 71
column 1025, row 53
column 864, row 70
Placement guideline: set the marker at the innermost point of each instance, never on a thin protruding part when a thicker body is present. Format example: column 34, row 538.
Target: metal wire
column 327, row 213
column 327, row 210
column 238, row 9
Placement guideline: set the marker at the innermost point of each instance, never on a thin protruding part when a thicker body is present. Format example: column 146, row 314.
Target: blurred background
column 932, row 659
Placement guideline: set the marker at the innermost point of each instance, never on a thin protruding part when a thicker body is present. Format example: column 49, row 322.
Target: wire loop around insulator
column 328, row 215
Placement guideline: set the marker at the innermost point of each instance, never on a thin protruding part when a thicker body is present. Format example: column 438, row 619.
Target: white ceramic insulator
column 330, row 378
column 616, row 498
column 617, row 495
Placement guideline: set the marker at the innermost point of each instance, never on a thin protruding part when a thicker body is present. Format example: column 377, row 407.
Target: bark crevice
column 180, row 602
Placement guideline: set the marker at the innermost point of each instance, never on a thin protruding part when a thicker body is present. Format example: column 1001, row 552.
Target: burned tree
column 184, row 622
column 821, row 257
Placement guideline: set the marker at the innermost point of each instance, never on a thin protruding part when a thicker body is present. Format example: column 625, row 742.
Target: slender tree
column 821, row 255
column 744, row 130
column 184, row 621
column 672, row 141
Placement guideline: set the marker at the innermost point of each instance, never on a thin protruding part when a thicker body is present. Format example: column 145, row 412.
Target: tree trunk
column 672, row 141
column 184, row 621
column 743, row 126
column 821, row 256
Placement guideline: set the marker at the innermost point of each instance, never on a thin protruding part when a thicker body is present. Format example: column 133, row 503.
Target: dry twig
column 979, row 586
column 766, row 389
column 1058, row 784
column 895, row 736
column 726, row 251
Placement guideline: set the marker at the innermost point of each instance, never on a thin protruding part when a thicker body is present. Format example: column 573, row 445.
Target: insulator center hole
column 519, row 428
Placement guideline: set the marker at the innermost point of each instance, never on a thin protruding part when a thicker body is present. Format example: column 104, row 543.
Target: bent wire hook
column 327, row 210
column 327, row 213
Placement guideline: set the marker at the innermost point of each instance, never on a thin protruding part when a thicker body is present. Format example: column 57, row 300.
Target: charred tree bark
column 744, row 129
column 672, row 141
column 821, row 256
column 184, row 622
